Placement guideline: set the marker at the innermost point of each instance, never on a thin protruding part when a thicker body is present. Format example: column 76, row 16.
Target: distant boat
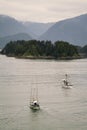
column 34, row 103
column 66, row 83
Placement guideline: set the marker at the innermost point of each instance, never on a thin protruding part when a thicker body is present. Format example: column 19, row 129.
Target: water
column 61, row 109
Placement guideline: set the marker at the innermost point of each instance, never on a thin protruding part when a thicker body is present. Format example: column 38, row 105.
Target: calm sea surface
column 61, row 109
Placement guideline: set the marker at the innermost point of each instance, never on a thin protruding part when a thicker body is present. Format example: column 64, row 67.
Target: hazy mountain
column 10, row 26
column 73, row 30
column 20, row 36
column 12, row 29
column 37, row 29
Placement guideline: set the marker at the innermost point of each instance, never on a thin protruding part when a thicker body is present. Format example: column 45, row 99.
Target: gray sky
column 43, row 10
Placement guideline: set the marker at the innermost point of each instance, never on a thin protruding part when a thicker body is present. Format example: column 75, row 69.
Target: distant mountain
column 19, row 36
column 37, row 29
column 12, row 29
column 72, row 30
column 10, row 26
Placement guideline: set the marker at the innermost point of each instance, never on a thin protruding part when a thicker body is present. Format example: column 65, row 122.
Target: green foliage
column 40, row 49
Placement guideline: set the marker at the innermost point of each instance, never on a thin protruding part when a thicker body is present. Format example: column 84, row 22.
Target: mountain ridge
column 15, row 37
column 72, row 30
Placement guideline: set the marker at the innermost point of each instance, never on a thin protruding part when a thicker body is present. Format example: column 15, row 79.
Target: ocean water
column 60, row 109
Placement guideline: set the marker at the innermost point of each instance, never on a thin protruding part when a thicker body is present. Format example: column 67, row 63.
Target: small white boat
column 34, row 103
column 65, row 83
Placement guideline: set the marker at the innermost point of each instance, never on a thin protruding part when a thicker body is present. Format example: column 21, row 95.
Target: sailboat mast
column 66, row 76
column 31, row 94
column 34, row 97
column 37, row 93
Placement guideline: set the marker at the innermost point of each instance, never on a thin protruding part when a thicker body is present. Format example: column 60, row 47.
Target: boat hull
column 67, row 87
column 33, row 107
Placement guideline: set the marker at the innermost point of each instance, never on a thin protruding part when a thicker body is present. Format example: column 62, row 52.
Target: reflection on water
column 61, row 109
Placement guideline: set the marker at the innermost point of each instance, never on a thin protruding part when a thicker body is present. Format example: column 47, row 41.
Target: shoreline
column 48, row 57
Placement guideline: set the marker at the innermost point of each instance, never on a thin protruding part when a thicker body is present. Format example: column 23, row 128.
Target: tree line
column 35, row 48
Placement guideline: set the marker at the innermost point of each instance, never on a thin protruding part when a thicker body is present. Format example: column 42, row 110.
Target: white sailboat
column 65, row 83
column 34, row 103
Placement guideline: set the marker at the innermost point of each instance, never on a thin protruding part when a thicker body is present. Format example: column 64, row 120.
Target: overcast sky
column 43, row 10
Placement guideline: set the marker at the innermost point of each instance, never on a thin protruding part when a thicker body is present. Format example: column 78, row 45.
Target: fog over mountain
column 10, row 26
column 37, row 29
column 73, row 30
column 12, row 30
column 15, row 37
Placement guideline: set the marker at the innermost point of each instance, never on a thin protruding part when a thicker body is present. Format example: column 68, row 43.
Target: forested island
column 35, row 49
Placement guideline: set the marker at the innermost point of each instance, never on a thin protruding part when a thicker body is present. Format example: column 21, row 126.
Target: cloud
column 43, row 10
